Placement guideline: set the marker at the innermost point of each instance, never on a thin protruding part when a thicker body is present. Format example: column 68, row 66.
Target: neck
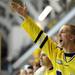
column 70, row 49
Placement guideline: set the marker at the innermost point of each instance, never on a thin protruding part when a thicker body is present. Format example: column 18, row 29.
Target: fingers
column 18, row 2
column 20, row 9
column 15, row 5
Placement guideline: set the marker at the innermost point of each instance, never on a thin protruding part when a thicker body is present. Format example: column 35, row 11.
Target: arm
column 37, row 35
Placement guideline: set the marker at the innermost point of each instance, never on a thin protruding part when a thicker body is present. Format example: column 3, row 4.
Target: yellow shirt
column 49, row 72
column 61, row 66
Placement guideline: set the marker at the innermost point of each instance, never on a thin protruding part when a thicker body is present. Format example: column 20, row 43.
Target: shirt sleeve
column 39, row 37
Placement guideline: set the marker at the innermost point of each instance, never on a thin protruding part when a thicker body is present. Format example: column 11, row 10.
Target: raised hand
column 22, row 10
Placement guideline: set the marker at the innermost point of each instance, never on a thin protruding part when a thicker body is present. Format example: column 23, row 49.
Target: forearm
column 31, row 28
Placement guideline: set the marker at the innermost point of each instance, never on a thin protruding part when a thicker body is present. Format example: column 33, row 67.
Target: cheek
column 64, row 37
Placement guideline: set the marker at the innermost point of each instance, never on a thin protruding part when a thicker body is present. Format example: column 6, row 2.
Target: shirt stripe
column 44, row 41
column 38, row 36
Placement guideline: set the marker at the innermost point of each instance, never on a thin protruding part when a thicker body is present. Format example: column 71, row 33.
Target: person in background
column 46, row 65
column 28, row 69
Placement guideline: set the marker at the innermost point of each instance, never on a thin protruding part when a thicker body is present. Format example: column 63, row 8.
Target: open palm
column 20, row 9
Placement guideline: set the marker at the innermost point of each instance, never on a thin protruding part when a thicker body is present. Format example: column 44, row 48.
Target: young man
column 63, row 59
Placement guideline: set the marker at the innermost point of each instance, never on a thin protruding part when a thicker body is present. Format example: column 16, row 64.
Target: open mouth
column 60, row 45
column 61, row 40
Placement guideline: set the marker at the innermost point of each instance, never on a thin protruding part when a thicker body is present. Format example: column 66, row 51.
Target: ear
column 72, row 37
